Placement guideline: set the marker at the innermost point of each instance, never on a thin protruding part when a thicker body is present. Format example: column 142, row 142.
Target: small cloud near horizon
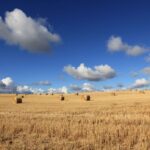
column 115, row 44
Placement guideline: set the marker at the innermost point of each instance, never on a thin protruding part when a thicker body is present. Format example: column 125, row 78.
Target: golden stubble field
column 107, row 122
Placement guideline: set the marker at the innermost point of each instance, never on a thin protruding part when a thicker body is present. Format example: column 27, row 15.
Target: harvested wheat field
column 106, row 122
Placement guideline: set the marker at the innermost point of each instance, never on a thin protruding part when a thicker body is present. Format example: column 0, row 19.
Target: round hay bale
column 22, row 96
column 77, row 94
column 113, row 94
column 62, row 98
column 142, row 92
column 87, row 97
column 52, row 93
column 18, row 100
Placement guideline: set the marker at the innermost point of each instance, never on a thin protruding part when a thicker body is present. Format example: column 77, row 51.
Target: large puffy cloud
column 99, row 73
column 140, row 83
column 30, row 34
column 116, row 44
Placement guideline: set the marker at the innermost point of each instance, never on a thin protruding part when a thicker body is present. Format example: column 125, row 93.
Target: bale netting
column 87, row 97
column 18, row 100
column 62, row 98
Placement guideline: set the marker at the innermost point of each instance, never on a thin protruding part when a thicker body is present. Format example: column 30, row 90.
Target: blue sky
column 84, row 29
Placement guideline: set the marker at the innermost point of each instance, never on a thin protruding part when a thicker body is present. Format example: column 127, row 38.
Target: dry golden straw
column 106, row 122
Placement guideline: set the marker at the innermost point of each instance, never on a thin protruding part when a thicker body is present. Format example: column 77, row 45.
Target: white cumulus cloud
column 87, row 87
column 28, row 89
column 7, row 81
column 99, row 73
column 116, row 44
column 63, row 90
column 24, row 89
column 7, row 85
column 30, row 34
column 140, row 83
